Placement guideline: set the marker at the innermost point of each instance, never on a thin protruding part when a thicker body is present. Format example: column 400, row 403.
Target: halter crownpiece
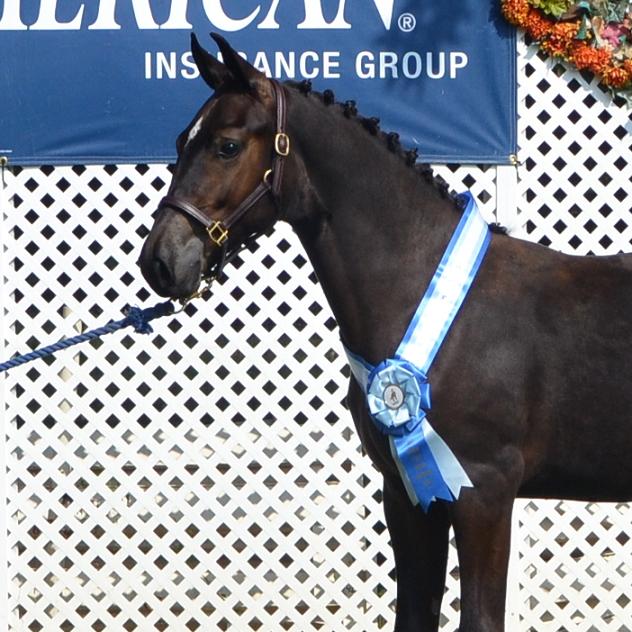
column 218, row 230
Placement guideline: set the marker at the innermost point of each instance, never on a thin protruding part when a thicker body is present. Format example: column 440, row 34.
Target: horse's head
column 227, row 178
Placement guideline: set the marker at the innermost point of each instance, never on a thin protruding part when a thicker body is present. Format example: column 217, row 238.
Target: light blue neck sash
column 397, row 390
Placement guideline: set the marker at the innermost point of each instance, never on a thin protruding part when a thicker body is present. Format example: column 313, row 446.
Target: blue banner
column 112, row 81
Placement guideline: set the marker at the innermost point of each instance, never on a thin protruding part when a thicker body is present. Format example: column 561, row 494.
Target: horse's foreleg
column 420, row 545
column 482, row 529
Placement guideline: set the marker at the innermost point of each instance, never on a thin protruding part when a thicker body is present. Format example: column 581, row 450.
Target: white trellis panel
column 573, row 570
column 207, row 476
column 575, row 148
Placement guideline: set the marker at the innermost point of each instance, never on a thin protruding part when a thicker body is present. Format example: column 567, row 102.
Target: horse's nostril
column 168, row 274
column 162, row 272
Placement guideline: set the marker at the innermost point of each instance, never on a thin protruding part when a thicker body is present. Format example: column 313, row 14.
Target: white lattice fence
column 574, row 566
column 207, row 476
column 172, row 481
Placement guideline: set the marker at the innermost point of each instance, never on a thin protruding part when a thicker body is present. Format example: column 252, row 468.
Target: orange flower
column 616, row 76
column 586, row 57
column 566, row 30
column 536, row 25
column 602, row 59
column 560, row 38
column 516, row 11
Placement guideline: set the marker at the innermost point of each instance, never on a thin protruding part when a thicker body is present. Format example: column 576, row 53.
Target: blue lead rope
column 135, row 317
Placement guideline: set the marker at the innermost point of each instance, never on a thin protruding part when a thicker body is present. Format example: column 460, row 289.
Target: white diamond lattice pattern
column 207, row 476
column 572, row 567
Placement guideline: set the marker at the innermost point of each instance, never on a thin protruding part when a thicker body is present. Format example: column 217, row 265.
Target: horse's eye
column 229, row 149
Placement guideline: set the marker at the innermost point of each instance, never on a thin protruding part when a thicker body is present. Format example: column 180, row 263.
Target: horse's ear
column 244, row 73
column 211, row 70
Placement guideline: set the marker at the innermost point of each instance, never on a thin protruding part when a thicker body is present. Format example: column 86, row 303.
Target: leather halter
column 218, row 230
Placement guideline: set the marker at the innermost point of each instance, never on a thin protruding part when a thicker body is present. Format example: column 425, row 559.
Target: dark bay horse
column 532, row 388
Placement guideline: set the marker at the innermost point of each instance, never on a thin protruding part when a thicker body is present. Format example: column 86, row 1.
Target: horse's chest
column 374, row 443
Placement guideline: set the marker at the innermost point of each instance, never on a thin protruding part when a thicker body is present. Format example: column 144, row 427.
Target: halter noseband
column 271, row 183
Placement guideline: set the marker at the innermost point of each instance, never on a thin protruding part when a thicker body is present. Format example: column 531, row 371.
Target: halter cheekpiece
column 218, row 230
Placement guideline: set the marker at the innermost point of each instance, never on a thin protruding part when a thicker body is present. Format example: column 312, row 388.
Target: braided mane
column 391, row 139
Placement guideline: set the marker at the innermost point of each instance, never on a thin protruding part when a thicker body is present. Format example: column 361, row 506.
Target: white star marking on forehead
column 195, row 130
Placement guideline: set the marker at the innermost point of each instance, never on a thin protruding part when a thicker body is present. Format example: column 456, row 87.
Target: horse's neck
column 373, row 228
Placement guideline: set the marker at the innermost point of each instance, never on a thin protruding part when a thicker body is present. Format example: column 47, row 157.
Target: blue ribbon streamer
column 419, row 469
column 398, row 395
column 397, row 390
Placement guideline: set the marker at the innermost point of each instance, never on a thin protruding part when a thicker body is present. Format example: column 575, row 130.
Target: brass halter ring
column 217, row 233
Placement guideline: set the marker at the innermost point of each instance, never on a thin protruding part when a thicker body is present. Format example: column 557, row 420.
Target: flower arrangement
column 594, row 35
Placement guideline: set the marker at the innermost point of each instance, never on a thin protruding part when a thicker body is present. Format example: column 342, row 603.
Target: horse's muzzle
column 169, row 274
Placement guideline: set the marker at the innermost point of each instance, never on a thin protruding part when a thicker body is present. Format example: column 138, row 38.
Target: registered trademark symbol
column 407, row 22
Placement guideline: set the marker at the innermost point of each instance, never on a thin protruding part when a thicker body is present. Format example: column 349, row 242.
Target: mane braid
column 498, row 229
column 411, row 157
column 304, row 87
column 392, row 142
column 350, row 109
column 371, row 124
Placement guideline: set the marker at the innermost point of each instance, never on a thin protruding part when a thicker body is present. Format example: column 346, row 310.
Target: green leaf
column 553, row 7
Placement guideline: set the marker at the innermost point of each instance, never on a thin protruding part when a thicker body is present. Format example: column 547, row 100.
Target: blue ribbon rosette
column 397, row 390
column 398, row 396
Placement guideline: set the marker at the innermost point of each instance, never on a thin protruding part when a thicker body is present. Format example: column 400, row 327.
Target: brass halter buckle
column 217, row 233
column 282, row 144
